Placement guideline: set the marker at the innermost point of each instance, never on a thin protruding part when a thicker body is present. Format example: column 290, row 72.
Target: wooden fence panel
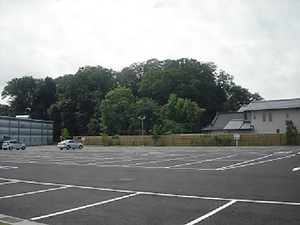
column 191, row 140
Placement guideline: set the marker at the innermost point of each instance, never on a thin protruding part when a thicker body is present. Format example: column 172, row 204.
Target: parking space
column 203, row 185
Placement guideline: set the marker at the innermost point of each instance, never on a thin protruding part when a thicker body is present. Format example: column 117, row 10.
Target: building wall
column 273, row 121
column 28, row 131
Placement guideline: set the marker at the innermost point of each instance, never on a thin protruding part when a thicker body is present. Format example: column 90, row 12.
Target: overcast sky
column 256, row 41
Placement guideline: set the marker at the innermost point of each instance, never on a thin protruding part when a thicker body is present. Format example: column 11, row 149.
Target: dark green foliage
column 117, row 110
column 291, row 133
column 184, row 114
column 222, row 141
column 175, row 96
column 4, row 110
column 155, row 133
column 64, row 134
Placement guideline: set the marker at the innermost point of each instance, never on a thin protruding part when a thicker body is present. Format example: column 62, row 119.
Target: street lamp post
column 142, row 119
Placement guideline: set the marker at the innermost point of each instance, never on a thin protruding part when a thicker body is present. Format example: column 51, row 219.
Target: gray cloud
column 256, row 41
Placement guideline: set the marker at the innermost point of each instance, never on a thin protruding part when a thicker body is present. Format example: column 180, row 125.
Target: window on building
column 264, row 117
column 270, row 117
column 254, row 116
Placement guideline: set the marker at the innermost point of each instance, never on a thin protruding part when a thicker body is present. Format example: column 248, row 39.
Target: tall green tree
column 4, row 110
column 116, row 111
column 144, row 107
column 79, row 95
column 44, row 97
column 238, row 96
column 30, row 95
column 131, row 77
column 184, row 112
column 171, row 94
column 21, row 93
column 188, row 79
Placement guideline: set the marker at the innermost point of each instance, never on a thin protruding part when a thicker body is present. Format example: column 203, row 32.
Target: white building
column 261, row 117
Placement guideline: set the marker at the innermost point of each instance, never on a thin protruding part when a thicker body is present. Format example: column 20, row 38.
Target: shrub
column 64, row 134
column 105, row 140
column 291, row 133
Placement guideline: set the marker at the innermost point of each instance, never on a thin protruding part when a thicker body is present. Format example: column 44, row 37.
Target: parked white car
column 13, row 144
column 67, row 144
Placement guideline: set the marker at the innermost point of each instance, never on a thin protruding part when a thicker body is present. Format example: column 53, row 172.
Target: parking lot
column 152, row 185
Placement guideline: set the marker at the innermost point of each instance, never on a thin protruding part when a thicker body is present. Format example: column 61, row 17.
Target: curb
column 16, row 221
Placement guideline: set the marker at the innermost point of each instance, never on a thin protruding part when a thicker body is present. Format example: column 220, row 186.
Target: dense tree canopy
column 174, row 96
column 30, row 95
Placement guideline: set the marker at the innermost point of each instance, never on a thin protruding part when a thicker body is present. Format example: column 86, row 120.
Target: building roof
column 227, row 121
column 273, row 104
column 238, row 124
column 242, row 108
column 222, row 119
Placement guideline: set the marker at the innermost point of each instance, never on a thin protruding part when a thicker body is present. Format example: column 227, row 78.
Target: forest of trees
column 175, row 96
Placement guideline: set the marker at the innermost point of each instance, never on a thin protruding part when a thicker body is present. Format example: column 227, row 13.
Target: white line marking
column 211, row 213
column 8, row 167
column 166, row 160
column 32, row 192
column 255, row 163
column 9, row 182
column 295, row 169
column 201, row 161
column 244, row 162
column 221, row 199
column 83, row 207
column 159, row 194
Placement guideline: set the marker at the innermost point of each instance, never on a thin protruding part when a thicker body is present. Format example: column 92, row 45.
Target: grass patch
column 2, row 223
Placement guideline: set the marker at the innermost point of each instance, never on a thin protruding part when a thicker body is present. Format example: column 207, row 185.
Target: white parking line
column 83, row 207
column 32, row 192
column 156, row 193
column 244, row 162
column 9, row 182
column 166, row 160
column 254, row 163
column 201, row 161
column 211, row 213
column 295, row 169
column 8, row 167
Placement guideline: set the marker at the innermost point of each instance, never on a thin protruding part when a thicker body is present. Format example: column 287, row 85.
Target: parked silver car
column 67, row 144
column 13, row 144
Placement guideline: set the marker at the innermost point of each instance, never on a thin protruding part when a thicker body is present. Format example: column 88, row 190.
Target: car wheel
column 80, row 146
column 10, row 148
column 23, row 148
column 18, row 149
column 5, row 149
column 68, row 147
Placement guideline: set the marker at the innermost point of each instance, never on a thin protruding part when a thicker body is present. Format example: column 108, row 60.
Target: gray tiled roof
column 234, row 125
column 237, row 124
column 242, row 108
column 221, row 119
column 273, row 104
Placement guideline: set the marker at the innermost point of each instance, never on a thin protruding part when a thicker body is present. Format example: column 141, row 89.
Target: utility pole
column 142, row 119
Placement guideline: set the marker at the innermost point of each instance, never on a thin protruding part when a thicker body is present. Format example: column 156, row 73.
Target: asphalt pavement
column 151, row 185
